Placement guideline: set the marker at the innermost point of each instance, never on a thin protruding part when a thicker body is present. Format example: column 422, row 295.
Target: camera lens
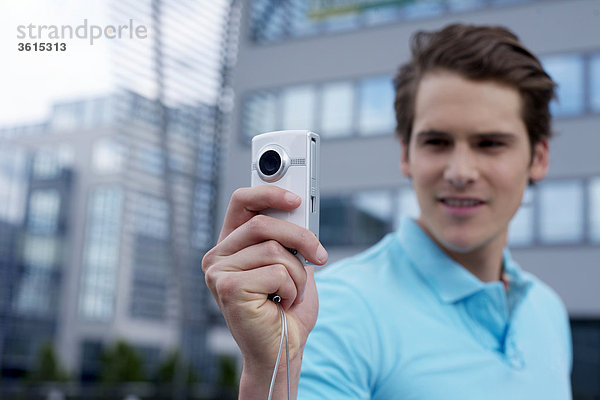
column 270, row 162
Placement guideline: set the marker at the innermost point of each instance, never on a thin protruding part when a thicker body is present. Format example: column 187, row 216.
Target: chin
column 460, row 242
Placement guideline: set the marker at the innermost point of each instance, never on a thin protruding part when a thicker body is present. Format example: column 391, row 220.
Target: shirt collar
column 448, row 279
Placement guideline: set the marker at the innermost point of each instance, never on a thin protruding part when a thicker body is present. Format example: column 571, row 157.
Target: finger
column 256, row 284
column 261, row 228
column 245, row 203
column 266, row 253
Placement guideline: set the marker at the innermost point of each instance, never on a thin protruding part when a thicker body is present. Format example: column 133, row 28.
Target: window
column 298, row 107
column 373, row 213
column 268, row 20
column 595, row 83
column 151, row 216
column 337, row 109
column 520, row 229
column 203, row 216
column 408, row 206
column 334, row 229
column 35, row 294
column 40, row 251
column 101, row 253
column 376, row 106
column 594, row 202
column 44, row 207
column 464, row 5
column 149, row 158
column 567, row 72
column 260, row 110
column 382, row 14
column 276, row 20
column 361, row 219
column 341, row 22
column 149, row 296
column 108, row 156
column 301, row 23
column 561, row 212
column 13, row 182
column 46, row 164
column 67, row 116
column 423, row 9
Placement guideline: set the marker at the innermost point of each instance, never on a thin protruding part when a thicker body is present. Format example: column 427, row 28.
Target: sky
column 32, row 81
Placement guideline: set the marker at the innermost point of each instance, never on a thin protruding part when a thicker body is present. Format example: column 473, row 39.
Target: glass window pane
column 342, row 22
column 301, row 23
column 334, row 226
column 408, row 206
column 260, row 110
column 108, row 156
column 595, row 82
column 44, row 206
column 520, row 229
column 337, row 109
column 40, row 251
column 298, row 107
column 567, row 72
column 382, row 14
column 508, row 1
column 376, row 106
column 594, row 193
column 46, row 164
column 423, row 9
column 267, row 20
column 101, row 253
column 373, row 212
column 561, row 212
column 35, row 294
column 464, row 5
column 151, row 216
column 149, row 158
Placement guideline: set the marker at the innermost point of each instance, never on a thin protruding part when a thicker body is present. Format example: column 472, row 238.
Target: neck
column 485, row 262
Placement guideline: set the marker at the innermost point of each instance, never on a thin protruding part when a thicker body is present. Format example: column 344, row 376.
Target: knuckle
column 237, row 195
column 225, row 288
column 208, row 259
column 210, row 277
column 257, row 223
column 281, row 272
column 273, row 249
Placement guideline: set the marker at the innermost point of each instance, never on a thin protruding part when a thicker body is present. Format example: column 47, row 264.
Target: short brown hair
column 477, row 53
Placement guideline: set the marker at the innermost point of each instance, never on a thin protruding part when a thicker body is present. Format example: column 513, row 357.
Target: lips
column 461, row 202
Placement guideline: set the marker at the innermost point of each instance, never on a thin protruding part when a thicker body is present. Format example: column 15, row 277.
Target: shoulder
column 548, row 312
column 545, row 297
column 372, row 264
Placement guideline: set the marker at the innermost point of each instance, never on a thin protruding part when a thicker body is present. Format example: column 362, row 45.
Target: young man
column 437, row 310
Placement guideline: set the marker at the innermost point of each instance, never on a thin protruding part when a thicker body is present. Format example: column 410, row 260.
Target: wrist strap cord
column 284, row 335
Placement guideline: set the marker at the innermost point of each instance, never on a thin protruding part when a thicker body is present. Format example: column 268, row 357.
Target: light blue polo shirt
column 404, row 321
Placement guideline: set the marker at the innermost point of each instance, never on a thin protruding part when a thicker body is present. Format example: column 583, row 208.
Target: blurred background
column 118, row 157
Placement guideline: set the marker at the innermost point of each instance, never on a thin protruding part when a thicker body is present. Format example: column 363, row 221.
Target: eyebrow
column 482, row 135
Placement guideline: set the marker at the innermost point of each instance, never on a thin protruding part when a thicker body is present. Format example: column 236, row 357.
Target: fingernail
column 321, row 254
column 291, row 197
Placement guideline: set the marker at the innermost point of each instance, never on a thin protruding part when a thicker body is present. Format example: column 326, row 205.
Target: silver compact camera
column 290, row 159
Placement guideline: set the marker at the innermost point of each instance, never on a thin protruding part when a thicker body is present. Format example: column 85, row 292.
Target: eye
column 491, row 143
column 436, row 142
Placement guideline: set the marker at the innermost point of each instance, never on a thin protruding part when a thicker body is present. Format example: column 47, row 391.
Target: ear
column 404, row 164
column 540, row 162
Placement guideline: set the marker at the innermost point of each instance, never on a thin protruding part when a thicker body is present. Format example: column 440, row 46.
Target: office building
column 327, row 66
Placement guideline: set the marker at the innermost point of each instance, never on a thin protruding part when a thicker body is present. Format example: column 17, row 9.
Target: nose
column 461, row 169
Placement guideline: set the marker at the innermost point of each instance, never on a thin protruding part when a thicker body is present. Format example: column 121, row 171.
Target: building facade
column 327, row 66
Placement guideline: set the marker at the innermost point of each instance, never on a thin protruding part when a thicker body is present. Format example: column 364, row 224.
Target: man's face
column 469, row 159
